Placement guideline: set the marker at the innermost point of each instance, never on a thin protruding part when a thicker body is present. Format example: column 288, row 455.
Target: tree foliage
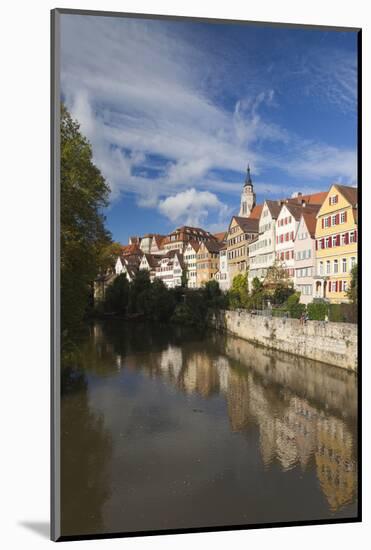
column 84, row 193
column 352, row 292
column 117, row 295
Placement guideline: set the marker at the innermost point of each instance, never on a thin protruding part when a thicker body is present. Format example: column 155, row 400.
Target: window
column 327, row 242
column 342, row 217
column 326, row 222
column 345, row 286
column 333, row 220
column 344, row 265
column 333, row 199
column 351, row 237
column 334, row 240
column 343, row 239
column 321, row 268
column 352, row 262
column 328, row 266
column 336, row 266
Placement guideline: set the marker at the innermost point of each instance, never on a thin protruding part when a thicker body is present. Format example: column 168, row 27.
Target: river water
column 169, row 428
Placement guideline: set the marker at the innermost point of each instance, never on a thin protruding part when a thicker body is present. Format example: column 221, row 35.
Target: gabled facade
column 207, row 261
column 124, row 265
column 170, row 269
column 241, row 232
column 262, row 251
column 190, row 262
column 222, row 275
column 286, row 229
column 305, row 257
column 180, row 237
column 149, row 263
column 336, row 243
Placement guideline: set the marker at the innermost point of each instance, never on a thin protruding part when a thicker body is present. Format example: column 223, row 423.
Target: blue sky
column 175, row 110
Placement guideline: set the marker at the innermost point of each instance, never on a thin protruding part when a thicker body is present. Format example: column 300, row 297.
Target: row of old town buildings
column 313, row 238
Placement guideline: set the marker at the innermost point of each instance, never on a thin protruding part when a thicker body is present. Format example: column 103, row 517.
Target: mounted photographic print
column 205, row 281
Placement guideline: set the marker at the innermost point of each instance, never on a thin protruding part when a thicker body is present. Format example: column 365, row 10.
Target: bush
column 317, row 311
column 294, row 307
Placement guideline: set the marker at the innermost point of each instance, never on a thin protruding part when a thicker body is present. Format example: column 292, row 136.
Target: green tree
column 139, row 291
column 159, row 301
column 257, row 295
column 352, row 292
column 281, row 293
column 117, row 295
column 107, row 255
column 239, row 292
column 84, row 193
column 213, row 295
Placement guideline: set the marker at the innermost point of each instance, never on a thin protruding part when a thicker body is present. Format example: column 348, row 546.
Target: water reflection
column 293, row 417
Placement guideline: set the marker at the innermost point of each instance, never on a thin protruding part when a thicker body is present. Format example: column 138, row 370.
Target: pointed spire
column 248, row 180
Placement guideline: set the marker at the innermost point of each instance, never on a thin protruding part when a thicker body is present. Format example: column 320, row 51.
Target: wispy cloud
column 138, row 89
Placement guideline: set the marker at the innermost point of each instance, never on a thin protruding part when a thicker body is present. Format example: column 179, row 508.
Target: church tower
column 248, row 197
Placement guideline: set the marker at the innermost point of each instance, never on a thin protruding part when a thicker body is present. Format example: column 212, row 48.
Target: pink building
column 286, row 229
column 304, row 256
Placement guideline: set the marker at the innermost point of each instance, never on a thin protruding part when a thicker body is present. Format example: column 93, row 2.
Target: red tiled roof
column 349, row 193
column 256, row 211
column 296, row 210
column 314, row 198
column 221, row 236
column 247, row 224
column 310, row 221
column 274, row 208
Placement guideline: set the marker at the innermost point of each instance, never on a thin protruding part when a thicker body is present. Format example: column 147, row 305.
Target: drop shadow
column 42, row 528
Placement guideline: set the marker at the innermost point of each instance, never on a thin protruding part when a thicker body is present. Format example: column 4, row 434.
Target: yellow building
column 207, row 261
column 336, row 243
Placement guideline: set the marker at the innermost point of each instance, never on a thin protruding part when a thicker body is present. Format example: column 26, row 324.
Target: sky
column 176, row 110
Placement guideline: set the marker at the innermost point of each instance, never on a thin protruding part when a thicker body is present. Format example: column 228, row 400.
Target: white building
column 123, row 265
column 190, row 257
column 149, row 263
column 262, row 251
column 222, row 275
column 170, row 269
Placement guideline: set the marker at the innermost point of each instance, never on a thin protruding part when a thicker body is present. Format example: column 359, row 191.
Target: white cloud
column 192, row 207
column 136, row 88
column 317, row 161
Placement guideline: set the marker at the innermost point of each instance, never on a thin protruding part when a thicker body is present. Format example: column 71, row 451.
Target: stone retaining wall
column 332, row 343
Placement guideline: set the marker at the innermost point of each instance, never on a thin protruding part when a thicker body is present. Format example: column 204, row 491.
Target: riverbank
column 331, row 343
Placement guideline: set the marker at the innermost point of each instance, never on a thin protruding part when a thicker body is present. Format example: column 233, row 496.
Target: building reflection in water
column 305, row 412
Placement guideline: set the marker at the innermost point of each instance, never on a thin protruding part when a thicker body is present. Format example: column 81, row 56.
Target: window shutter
column 329, row 200
column 337, row 219
column 322, row 243
column 355, row 235
column 345, row 216
column 346, row 238
column 330, row 242
column 337, row 240
column 336, row 286
column 340, row 286
column 322, row 222
column 329, row 221
column 316, row 245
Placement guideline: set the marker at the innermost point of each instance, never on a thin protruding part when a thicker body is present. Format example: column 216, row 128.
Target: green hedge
column 317, row 311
